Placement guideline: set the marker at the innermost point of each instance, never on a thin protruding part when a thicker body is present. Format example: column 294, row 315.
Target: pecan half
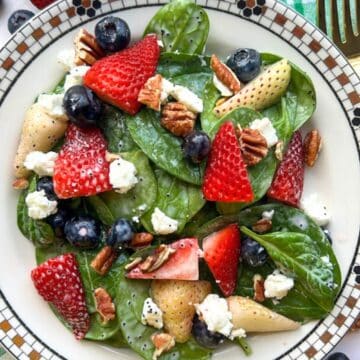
column 312, row 147
column 178, row 119
column 133, row 264
column 163, row 342
column 262, row 226
column 87, row 50
column 150, row 94
column 224, row 74
column 141, row 239
column 259, row 288
column 104, row 305
column 253, row 146
column 20, row 184
column 156, row 260
column 104, row 260
column 279, row 150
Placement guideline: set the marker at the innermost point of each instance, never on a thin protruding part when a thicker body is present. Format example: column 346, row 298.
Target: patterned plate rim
column 65, row 15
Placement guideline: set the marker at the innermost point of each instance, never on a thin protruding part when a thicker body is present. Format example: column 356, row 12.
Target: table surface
column 349, row 345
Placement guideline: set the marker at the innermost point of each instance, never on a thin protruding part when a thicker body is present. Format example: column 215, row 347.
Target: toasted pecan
column 104, row 260
column 150, row 94
column 87, row 49
column 312, row 147
column 20, row 184
column 141, row 239
column 162, row 342
column 160, row 256
column 259, row 288
column 262, row 226
column 104, row 305
column 253, row 146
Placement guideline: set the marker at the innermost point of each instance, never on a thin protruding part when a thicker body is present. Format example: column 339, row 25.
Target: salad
column 162, row 189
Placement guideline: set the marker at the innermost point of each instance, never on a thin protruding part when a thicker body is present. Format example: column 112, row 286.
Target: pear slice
column 253, row 317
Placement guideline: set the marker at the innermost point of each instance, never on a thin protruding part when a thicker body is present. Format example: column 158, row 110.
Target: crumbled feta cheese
column 268, row 215
column 135, row 219
column 277, row 285
column 214, row 311
column 53, row 103
column 75, row 77
column 316, row 209
column 122, row 175
column 142, row 207
column 41, row 163
column 237, row 333
column 188, row 98
column 66, row 58
column 166, row 88
column 160, row 43
column 162, row 223
column 39, row 206
column 224, row 90
column 151, row 314
column 266, row 129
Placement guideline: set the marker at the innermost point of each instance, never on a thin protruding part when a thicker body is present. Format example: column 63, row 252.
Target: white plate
column 28, row 67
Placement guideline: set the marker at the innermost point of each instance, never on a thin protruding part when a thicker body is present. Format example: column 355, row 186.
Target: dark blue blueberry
column 246, row 63
column 18, row 18
column 83, row 232
column 82, row 106
column 96, row 4
column 120, row 234
column 203, row 336
column 112, row 33
column 253, row 253
column 337, row 356
column 327, row 234
column 58, row 221
column 90, row 12
column 196, row 146
column 46, row 183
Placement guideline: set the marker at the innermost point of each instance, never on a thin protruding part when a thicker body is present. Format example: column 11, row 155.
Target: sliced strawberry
column 81, row 168
column 226, row 178
column 221, row 253
column 58, row 281
column 182, row 265
column 118, row 78
column 287, row 185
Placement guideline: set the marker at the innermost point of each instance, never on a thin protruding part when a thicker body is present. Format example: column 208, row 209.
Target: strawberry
column 41, row 4
column 118, row 78
column 182, row 265
column 81, row 168
column 58, row 281
column 221, row 253
column 226, row 178
column 287, row 185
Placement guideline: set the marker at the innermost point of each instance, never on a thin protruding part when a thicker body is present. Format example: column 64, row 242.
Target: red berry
column 58, row 281
column 81, row 168
column 118, row 78
column 41, row 4
column 226, row 178
column 287, row 185
column 221, row 253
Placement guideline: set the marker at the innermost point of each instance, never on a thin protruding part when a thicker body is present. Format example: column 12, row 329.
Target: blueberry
column 203, row 336
column 252, row 252
column 120, row 234
column 46, row 183
column 196, row 146
column 245, row 63
column 18, row 18
column 82, row 106
column 58, row 221
column 112, row 33
column 83, row 232
column 337, row 356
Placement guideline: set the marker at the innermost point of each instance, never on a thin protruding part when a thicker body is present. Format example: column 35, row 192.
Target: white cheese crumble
column 122, row 175
column 214, row 311
column 268, row 215
column 237, row 333
column 266, row 129
column 152, row 314
column 39, row 206
column 188, row 98
column 315, row 209
column 66, row 58
column 162, row 223
column 160, row 43
column 75, row 77
column 53, row 103
column 166, row 88
column 224, row 90
column 41, row 163
column 277, row 285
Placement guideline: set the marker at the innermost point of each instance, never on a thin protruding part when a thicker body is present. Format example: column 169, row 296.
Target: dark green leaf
column 195, row 82
column 182, row 26
column 209, row 122
column 101, row 209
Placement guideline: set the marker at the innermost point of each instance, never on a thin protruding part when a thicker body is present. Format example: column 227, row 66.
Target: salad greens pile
column 296, row 244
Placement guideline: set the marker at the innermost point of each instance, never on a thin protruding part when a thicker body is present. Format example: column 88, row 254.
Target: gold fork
column 351, row 46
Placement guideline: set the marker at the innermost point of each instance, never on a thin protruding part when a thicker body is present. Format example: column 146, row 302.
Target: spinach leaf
column 300, row 95
column 37, row 231
column 100, row 208
column 195, row 82
column 162, row 147
column 182, row 26
column 139, row 199
column 116, row 132
column 179, row 200
column 209, row 122
column 175, row 64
